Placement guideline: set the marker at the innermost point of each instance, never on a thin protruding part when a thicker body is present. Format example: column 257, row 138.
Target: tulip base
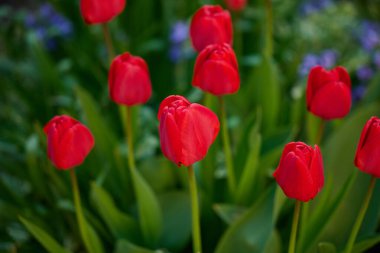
column 197, row 244
column 359, row 219
column 293, row 235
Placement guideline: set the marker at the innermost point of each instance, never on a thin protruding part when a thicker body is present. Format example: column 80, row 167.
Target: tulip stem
column 360, row 217
column 129, row 135
column 108, row 40
column 79, row 212
column 227, row 149
column 197, row 244
column 321, row 129
column 268, row 50
column 293, row 235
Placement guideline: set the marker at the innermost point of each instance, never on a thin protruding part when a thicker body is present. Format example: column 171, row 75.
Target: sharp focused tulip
column 328, row 93
column 216, row 70
column 210, row 25
column 367, row 156
column 300, row 172
column 129, row 81
column 68, row 141
column 187, row 130
column 100, row 11
column 236, row 5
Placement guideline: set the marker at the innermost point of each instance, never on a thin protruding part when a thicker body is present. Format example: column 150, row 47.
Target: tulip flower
column 129, row 81
column 300, row 176
column 187, row 130
column 100, row 11
column 236, row 5
column 68, row 142
column 209, row 25
column 328, row 93
column 367, row 159
column 216, row 70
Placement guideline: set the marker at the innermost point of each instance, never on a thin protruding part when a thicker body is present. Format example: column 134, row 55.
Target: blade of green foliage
column 266, row 92
column 252, row 230
column 229, row 213
column 150, row 214
column 176, row 211
column 50, row 244
column 274, row 243
column 123, row 246
column 120, row 224
column 326, row 247
column 366, row 244
column 104, row 136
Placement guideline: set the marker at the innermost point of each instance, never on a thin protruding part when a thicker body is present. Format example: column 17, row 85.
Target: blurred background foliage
column 52, row 63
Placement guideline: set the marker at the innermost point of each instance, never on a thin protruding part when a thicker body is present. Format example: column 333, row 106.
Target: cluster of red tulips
column 187, row 130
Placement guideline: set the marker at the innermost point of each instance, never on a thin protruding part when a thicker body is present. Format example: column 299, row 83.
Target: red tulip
column 129, row 81
column 328, row 93
column 236, row 5
column 209, row 25
column 100, row 11
column 68, row 142
column 187, row 130
column 367, row 156
column 300, row 172
column 216, row 70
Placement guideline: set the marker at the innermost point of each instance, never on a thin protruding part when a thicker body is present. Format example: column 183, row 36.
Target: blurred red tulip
column 216, row 70
column 209, row 25
column 328, row 93
column 367, row 156
column 100, row 11
column 129, row 81
column 236, row 5
column 68, row 142
column 300, row 172
column 187, row 130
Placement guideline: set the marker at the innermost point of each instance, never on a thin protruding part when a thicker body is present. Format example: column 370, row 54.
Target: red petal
column 170, row 138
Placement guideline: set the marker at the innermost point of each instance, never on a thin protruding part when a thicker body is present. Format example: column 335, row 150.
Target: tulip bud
column 216, row 70
column 367, row 157
column 129, row 81
column 209, row 25
column 100, row 11
column 328, row 93
column 236, row 5
column 187, row 130
column 300, row 172
column 68, row 142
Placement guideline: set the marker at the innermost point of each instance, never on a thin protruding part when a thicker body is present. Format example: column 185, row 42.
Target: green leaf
column 150, row 213
column 176, row 210
column 274, row 243
column 252, row 230
column 123, row 246
column 43, row 237
column 366, row 244
column 326, row 247
column 229, row 213
column 120, row 224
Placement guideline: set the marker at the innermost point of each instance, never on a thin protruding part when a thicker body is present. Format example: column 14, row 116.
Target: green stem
column 108, row 40
column 129, row 136
column 197, row 244
column 321, row 129
column 227, row 149
column 79, row 212
column 293, row 235
column 269, row 28
column 359, row 219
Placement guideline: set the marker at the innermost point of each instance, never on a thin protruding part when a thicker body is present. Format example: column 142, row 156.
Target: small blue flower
column 309, row 61
column 376, row 59
column 328, row 58
column 179, row 32
column 369, row 35
column 358, row 92
column 364, row 73
column 311, row 6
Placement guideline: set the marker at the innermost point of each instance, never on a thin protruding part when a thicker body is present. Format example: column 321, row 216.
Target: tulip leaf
column 251, row 231
column 150, row 214
column 229, row 213
column 120, row 224
column 326, row 247
column 124, row 246
column 176, row 211
column 366, row 244
column 50, row 244
column 274, row 243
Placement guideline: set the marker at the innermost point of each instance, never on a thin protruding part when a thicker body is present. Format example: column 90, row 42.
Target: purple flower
column 369, row 35
column 376, row 59
column 364, row 73
column 311, row 6
column 328, row 58
column 179, row 32
column 358, row 92
column 309, row 61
